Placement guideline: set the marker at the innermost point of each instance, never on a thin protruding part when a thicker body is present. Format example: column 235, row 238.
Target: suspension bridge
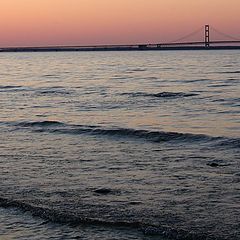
column 227, row 42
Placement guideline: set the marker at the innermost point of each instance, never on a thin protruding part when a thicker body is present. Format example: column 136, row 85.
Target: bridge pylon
column 207, row 36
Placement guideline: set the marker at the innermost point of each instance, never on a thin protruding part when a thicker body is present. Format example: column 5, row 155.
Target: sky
column 88, row 22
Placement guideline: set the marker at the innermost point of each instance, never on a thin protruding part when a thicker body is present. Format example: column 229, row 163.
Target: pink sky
column 85, row 22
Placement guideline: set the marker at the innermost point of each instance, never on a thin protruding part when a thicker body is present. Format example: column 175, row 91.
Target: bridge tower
column 207, row 36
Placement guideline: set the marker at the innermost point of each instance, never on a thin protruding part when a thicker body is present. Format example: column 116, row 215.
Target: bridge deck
column 158, row 46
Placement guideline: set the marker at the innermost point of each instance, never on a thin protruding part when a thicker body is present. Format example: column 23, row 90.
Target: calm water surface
column 120, row 145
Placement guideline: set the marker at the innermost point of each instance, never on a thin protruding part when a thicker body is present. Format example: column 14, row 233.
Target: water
column 120, row 145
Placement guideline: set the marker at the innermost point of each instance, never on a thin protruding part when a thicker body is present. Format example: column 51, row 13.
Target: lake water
column 120, row 145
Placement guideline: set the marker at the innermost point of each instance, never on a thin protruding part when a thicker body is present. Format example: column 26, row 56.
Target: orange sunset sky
column 86, row 22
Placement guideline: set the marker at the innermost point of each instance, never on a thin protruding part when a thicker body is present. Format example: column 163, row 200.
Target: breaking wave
column 63, row 217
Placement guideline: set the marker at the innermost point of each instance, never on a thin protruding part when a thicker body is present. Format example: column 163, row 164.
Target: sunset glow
column 83, row 22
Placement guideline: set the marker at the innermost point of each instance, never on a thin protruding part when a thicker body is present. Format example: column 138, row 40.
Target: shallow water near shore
column 120, row 145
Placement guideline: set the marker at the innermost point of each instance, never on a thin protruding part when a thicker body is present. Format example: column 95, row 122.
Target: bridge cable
column 188, row 35
column 224, row 34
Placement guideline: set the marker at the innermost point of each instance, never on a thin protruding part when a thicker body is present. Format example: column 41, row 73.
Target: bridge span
column 206, row 44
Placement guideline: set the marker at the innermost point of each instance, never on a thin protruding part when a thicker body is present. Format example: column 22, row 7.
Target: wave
column 161, row 94
column 57, row 127
column 152, row 136
column 10, row 87
column 51, row 76
column 7, row 88
column 63, row 217
column 40, row 124
column 231, row 72
column 38, row 91
column 52, row 92
column 230, row 143
column 195, row 80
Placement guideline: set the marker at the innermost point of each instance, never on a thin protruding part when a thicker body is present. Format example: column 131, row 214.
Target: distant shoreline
column 114, row 48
